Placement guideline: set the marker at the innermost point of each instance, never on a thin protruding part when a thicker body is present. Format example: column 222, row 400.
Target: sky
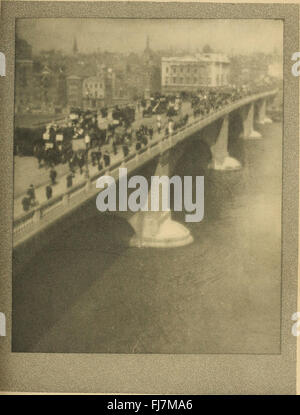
column 129, row 35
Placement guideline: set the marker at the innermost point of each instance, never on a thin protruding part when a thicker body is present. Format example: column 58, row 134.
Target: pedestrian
column 26, row 203
column 87, row 140
column 98, row 155
column 144, row 140
column 31, row 194
column 40, row 156
column 114, row 144
column 100, row 165
column 125, row 149
column 158, row 123
column 150, row 132
column 53, row 175
column 48, row 191
column 170, row 127
column 106, row 158
column 71, row 166
column 138, row 145
column 80, row 163
column 94, row 158
column 69, row 180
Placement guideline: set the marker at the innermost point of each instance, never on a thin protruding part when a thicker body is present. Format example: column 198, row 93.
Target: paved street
column 26, row 170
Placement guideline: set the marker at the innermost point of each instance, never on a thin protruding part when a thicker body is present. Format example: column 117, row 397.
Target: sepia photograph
column 147, row 186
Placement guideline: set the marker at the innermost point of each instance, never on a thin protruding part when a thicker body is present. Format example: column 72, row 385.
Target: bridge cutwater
column 155, row 229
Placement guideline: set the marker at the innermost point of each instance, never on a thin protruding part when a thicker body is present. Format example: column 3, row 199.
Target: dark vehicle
column 171, row 112
column 160, row 106
column 26, row 140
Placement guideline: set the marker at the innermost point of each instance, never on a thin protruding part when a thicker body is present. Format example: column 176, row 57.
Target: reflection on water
column 88, row 292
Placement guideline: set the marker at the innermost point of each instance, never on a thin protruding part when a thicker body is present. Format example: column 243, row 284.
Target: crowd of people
column 87, row 137
column 208, row 101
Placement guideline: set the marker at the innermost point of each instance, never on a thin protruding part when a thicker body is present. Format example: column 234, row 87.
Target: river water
column 86, row 291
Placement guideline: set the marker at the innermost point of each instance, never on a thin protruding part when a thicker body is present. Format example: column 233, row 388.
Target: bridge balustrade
column 43, row 215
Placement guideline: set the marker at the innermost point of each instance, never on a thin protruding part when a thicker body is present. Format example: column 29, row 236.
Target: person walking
column 81, row 163
column 69, row 180
column 53, row 175
column 26, row 203
column 170, row 126
column 158, row 123
column 94, row 158
column 114, row 145
column 48, row 191
column 150, row 131
column 87, row 140
column 106, row 158
column 31, row 194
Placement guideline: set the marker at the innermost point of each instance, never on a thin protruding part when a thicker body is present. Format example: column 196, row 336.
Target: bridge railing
column 47, row 212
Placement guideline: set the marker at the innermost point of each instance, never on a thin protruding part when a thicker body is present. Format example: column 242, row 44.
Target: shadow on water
column 58, row 275
column 220, row 188
column 79, row 250
column 60, row 272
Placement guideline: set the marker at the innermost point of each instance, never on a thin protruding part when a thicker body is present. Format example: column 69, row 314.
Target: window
column 174, row 80
column 167, row 69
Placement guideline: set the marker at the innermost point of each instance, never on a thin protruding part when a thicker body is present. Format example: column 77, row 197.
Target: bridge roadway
column 28, row 224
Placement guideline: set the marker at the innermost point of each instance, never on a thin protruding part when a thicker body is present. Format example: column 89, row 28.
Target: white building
column 93, row 92
column 191, row 72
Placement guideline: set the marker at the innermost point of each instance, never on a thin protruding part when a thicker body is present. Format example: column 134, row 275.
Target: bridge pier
column 221, row 160
column 262, row 117
column 157, row 229
column 248, row 122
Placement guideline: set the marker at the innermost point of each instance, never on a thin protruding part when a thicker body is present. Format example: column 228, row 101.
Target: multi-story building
column 24, row 75
column 74, row 91
column 187, row 73
column 141, row 75
column 97, row 91
column 93, row 92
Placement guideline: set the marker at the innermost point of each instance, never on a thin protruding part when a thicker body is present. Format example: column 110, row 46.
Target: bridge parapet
column 28, row 224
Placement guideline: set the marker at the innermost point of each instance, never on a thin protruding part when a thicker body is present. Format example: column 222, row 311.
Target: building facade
column 97, row 91
column 188, row 73
column 24, row 75
column 93, row 92
column 74, row 91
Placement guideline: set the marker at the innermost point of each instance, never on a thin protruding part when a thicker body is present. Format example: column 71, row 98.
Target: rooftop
column 198, row 57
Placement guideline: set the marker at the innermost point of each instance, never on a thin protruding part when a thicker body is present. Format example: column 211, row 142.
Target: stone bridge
column 156, row 229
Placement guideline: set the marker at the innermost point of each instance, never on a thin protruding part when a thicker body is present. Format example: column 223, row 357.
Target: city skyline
column 129, row 35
